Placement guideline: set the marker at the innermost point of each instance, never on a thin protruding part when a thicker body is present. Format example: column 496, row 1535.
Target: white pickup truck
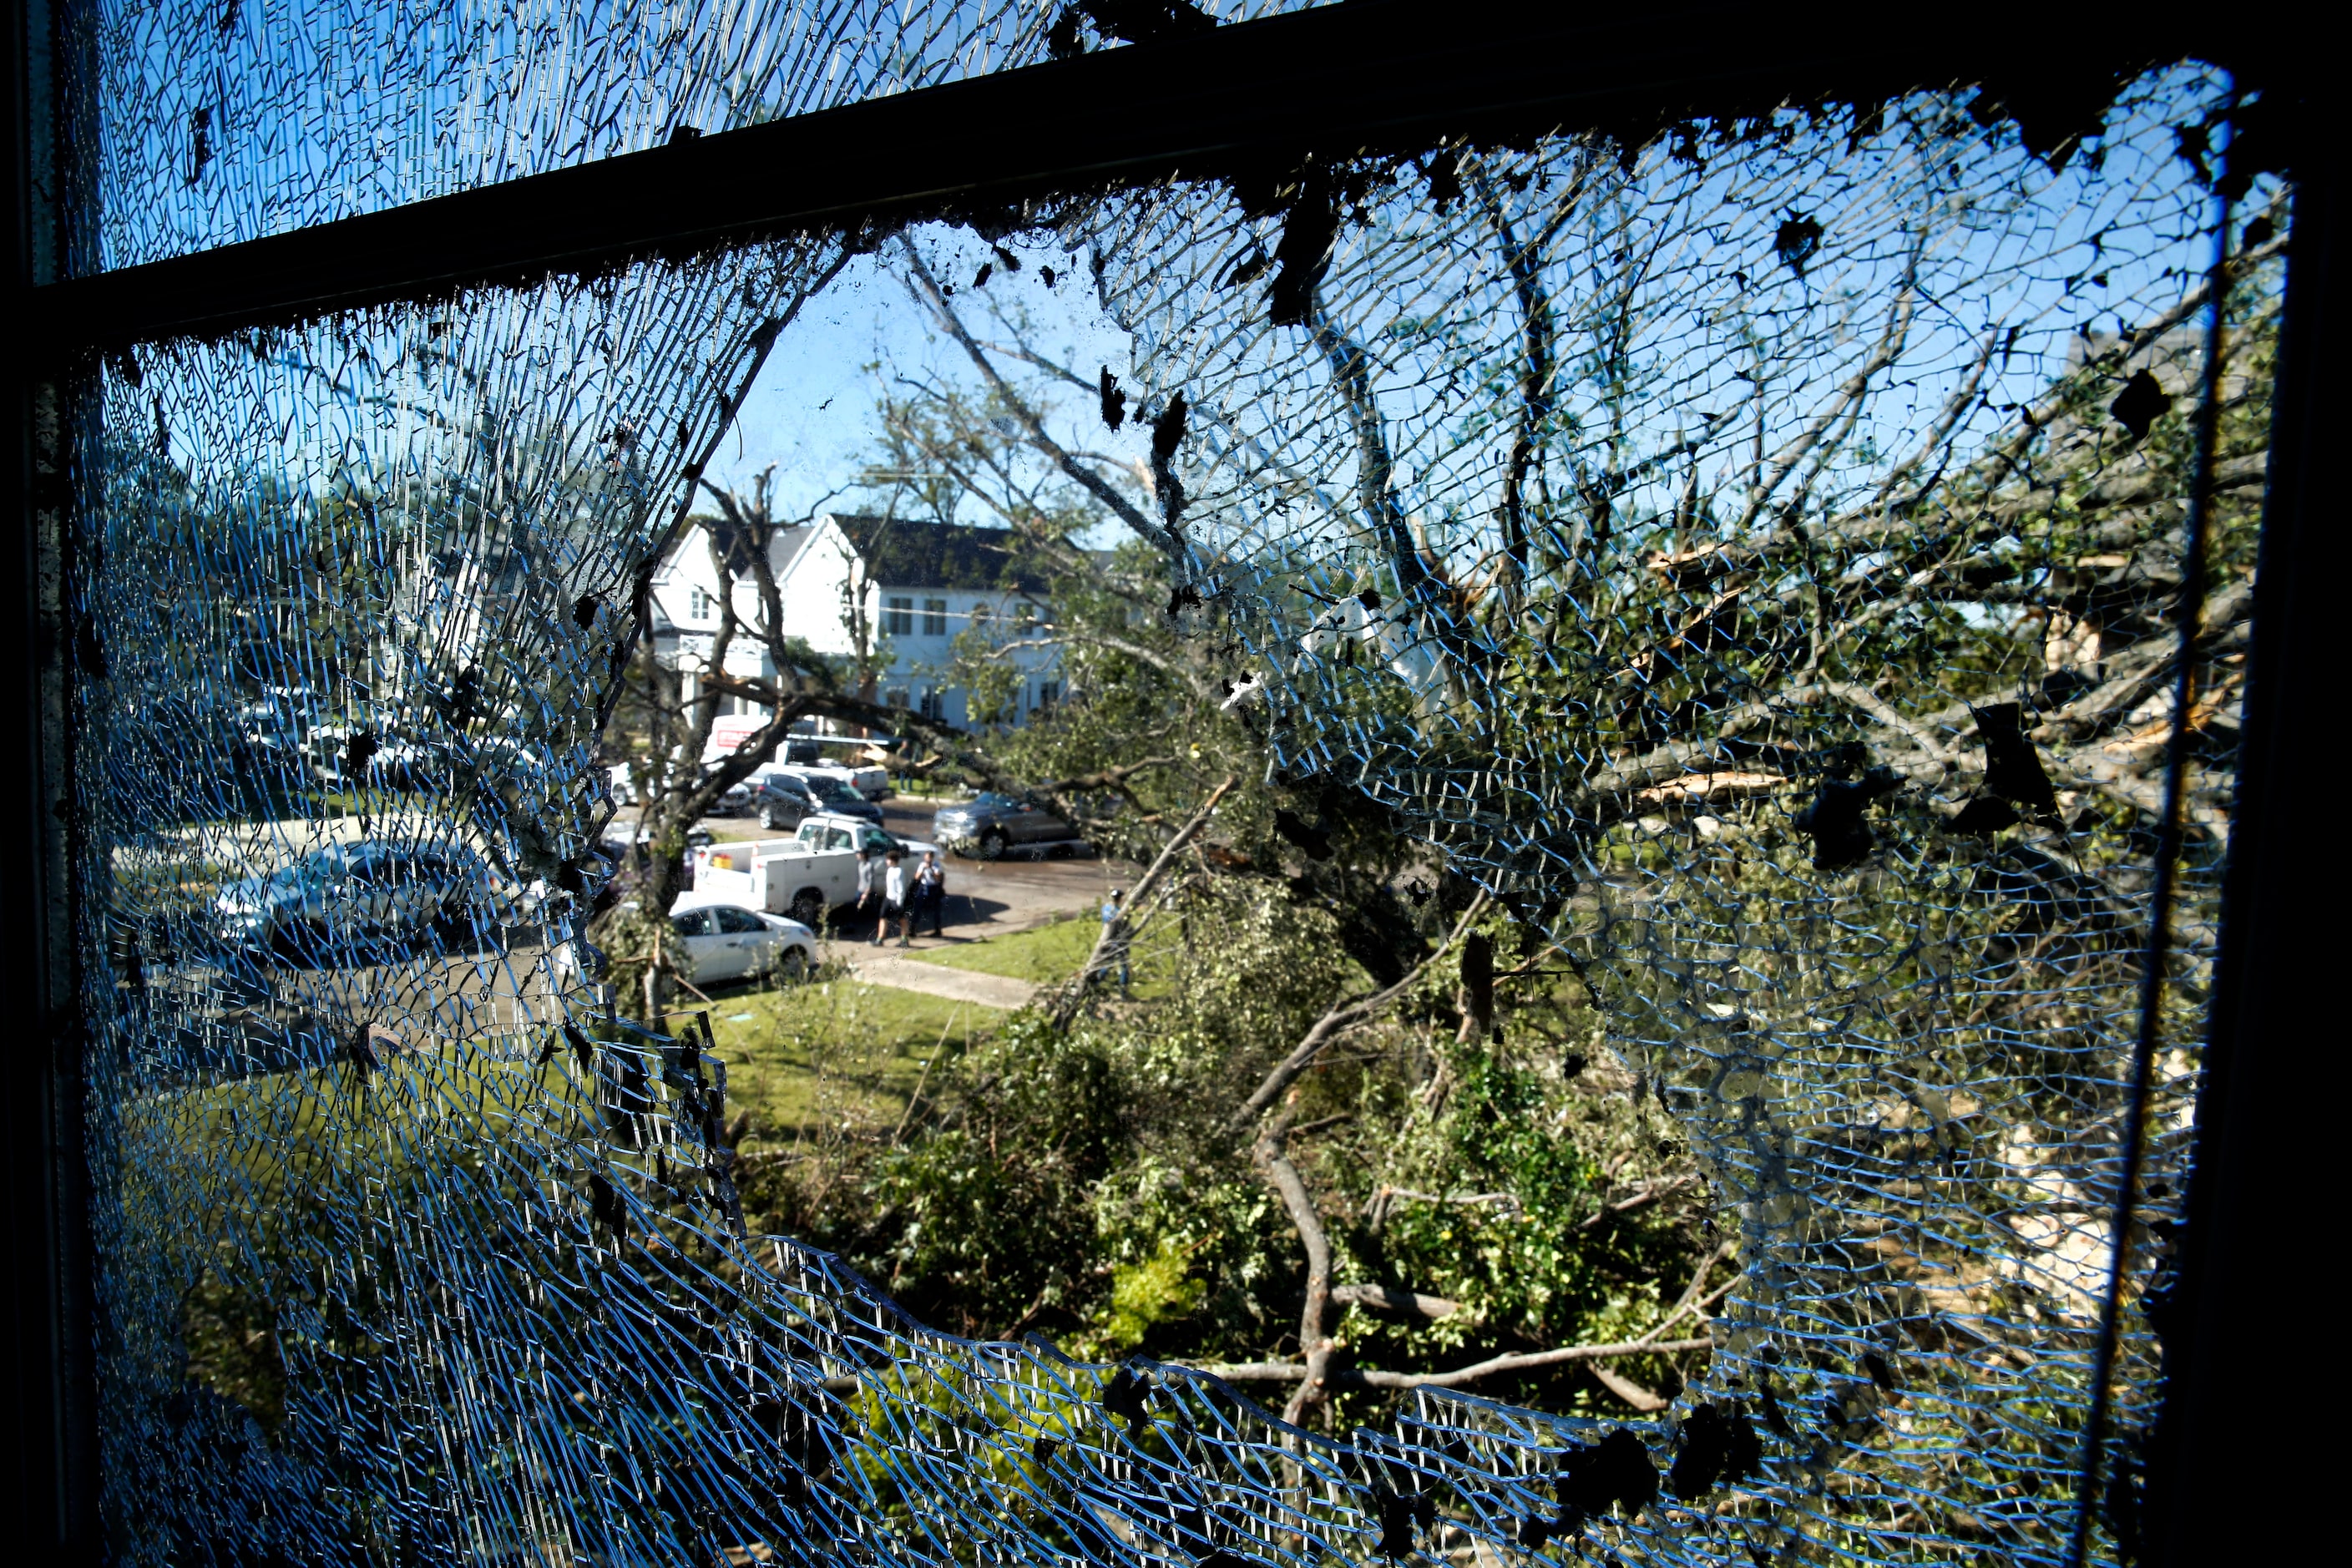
column 803, row 876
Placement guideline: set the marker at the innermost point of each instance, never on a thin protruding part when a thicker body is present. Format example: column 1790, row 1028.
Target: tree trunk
column 1477, row 985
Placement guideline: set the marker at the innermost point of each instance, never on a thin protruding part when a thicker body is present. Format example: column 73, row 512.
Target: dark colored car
column 628, row 847
column 741, row 799
column 991, row 823
column 783, row 797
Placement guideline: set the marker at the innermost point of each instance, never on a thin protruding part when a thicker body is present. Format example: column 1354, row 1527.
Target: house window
column 896, row 696
column 899, row 619
column 1049, row 692
column 980, row 616
column 699, row 606
column 1025, row 615
column 935, row 617
column 935, row 704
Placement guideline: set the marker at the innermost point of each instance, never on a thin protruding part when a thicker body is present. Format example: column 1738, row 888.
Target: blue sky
column 811, row 411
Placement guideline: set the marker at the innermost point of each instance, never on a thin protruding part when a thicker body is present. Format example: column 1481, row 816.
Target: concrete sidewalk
column 882, row 967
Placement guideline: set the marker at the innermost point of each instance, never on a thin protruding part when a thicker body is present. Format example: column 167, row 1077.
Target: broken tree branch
column 1272, row 1155
column 1363, row 1377
column 1393, row 1298
column 1340, row 1020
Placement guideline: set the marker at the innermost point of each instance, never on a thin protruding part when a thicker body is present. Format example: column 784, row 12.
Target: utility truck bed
column 804, row 876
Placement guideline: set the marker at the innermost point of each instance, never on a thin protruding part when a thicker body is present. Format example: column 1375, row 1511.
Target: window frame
column 1354, row 74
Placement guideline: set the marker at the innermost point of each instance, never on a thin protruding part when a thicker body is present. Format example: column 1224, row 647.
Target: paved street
column 985, row 899
column 460, row 993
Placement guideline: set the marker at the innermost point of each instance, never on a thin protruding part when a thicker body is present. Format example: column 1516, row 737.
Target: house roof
column 703, row 530
column 788, row 543
column 900, row 553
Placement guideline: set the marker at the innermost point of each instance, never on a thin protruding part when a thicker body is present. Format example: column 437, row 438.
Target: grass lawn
column 922, row 788
column 1049, row 954
column 834, row 1052
column 837, row 1053
column 1043, row 954
column 830, row 1055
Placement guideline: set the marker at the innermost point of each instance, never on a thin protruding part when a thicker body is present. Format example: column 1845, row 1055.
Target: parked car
column 507, row 755
column 845, row 758
column 782, row 801
column 367, row 889
column 991, row 823
column 836, row 788
column 869, row 779
column 626, row 847
column 622, row 781
column 328, row 749
column 270, row 726
column 786, row 796
column 403, row 760
column 723, row 940
column 280, row 712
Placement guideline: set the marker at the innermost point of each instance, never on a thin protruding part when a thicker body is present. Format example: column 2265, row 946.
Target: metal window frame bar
column 1246, row 103
column 2233, row 1428
column 48, row 1428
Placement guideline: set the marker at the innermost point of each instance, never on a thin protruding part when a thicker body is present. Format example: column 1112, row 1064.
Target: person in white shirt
column 869, row 889
column 1115, row 943
column 896, row 905
column 932, row 892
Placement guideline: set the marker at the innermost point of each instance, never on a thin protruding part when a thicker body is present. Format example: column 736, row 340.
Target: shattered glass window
column 1760, row 557
column 1754, row 557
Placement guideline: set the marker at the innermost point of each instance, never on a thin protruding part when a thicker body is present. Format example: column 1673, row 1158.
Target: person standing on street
column 870, row 890
column 931, row 894
column 1114, row 917
column 895, row 904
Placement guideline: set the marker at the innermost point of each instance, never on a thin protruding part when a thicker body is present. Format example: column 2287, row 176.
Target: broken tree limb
column 1340, row 1019
column 1393, row 1298
column 1626, row 1389
column 1361, row 1377
column 1384, row 1201
column 1272, row 1155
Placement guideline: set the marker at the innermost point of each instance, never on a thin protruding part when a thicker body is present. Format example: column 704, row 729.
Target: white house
column 906, row 590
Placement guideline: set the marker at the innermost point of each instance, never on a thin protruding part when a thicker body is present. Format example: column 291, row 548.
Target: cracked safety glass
column 1622, row 714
